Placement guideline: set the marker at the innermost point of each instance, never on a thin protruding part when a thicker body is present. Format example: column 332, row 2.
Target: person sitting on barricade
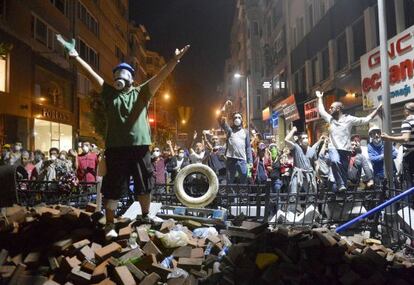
column 357, row 163
column 376, row 154
column 340, row 126
column 303, row 176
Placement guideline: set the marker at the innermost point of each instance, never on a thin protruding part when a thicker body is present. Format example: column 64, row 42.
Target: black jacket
column 172, row 164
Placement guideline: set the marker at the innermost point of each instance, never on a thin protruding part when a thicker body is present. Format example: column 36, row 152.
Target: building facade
column 310, row 45
column 45, row 98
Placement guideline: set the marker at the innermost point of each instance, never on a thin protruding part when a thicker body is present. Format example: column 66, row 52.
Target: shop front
column 52, row 128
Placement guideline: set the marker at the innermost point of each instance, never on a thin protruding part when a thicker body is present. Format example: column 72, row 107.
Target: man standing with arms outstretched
column 128, row 134
column 340, row 127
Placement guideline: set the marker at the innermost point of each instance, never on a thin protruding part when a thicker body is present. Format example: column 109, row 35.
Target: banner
column 289, row 109
column 275, row 119
column 311, row 110
column 401, row 67
column 266, row 114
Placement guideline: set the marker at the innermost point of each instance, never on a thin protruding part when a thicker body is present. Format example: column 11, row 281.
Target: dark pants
column 340, row 164
column 408, row 168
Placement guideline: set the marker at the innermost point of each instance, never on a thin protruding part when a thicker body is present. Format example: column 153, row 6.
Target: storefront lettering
column 54, row 115
column 401, row 71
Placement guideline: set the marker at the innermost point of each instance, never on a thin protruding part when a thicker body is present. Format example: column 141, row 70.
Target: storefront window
column 3, row 74
column 50, row 134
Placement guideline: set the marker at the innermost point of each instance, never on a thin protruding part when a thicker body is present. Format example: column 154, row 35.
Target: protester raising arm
column 156, row 81
column 222, row 120
column 321, row 108
column 169, row 143
column 71, row 51
column 288, row 138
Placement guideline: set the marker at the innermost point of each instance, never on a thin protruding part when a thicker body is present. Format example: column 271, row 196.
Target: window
column 255, row 28
column 86, row 17
column 325, row 64
column 88, row 54
column 60, row 5
column 84, row 85
column 310, row 16
column 3, row 74
column 302, row 80
column 323, row 8
column 314, row 70
column 408, row 13
column 342, row 58
column 300, row 30
column 119, row 54
column 2, row 9
column 45, row 34
column 358, row 32
column 258, row 106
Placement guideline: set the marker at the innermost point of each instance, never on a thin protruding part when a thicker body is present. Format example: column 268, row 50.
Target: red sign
column 289, row 109
column 311, row 111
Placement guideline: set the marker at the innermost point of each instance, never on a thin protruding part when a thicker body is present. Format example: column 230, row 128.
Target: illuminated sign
column 401, row 71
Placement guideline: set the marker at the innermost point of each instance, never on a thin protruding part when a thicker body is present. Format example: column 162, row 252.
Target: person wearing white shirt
column 340, row 127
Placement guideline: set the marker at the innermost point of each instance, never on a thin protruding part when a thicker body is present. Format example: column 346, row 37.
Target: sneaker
column 342, row 188
column 110, row 232
column 142, row 220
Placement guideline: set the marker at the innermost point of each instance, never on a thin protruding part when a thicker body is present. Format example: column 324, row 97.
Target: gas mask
column 237, row 122
column 123, row 78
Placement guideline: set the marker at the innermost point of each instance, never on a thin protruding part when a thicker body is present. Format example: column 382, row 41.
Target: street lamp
column 237, row 76
column 167, row 96
column 183, row 122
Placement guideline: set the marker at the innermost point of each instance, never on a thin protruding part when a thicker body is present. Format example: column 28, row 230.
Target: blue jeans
column 236, row 166
column 276, row 185
column 340, row 163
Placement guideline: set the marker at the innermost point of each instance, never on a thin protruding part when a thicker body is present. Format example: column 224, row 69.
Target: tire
column 196, row 202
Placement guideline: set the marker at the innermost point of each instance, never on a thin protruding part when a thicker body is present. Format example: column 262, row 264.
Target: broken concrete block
column 107, row 251
column 151, row 248
column 123, row 276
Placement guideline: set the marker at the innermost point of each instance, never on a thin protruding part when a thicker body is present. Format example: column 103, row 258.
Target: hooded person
column 128, row 135
column 238, row 151
column 376, row 153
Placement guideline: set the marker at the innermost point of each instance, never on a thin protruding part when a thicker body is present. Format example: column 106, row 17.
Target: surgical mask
column 156, row 153
column 305, row 142
column 85, row 149
column 181, row 155
column 62, row 157
column 17, row 148
column 377, row 141
column 122, row 78
column 237, row 122
column 37, row 158
column 53, row 157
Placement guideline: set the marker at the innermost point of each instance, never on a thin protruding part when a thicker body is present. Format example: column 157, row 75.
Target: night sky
column 205, row 25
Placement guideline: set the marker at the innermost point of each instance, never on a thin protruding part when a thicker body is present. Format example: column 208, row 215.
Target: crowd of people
column 337, row 161
column 70, row 166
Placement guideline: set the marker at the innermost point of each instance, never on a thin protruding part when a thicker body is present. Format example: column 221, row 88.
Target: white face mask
column 156, row 153
column 181, row 155
column 53, row 157
column 85, row 149
column 122, row 78
column 62, row 157
column 237, row 122
column 17, row 148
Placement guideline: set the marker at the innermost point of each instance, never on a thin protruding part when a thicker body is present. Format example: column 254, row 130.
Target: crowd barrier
column 394, row 224
column 31, row 193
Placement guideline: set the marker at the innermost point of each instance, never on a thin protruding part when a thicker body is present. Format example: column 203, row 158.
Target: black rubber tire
column 196, row 202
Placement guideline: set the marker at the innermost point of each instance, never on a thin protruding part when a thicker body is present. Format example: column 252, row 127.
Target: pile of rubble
column 65, row 245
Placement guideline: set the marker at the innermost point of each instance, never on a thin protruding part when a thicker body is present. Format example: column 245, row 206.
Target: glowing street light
column 218, row 112
column 237, row 75
column 167, row 96
column 183, row 122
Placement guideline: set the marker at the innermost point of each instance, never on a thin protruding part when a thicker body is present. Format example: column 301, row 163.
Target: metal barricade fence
column 31, row 193
column 394, row 224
